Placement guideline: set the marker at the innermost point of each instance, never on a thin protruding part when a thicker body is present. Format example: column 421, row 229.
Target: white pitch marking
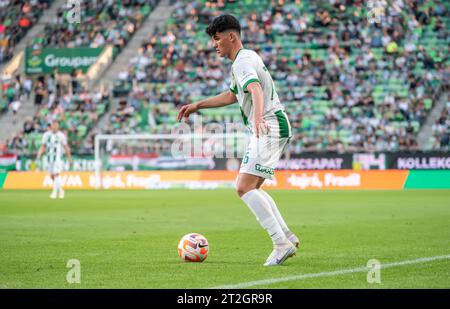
column 329, row 274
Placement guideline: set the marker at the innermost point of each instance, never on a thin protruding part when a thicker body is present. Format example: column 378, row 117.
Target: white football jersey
column 248, row 67
column 54, row 145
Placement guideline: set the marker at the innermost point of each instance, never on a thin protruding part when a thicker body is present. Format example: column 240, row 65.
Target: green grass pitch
column 129, row 239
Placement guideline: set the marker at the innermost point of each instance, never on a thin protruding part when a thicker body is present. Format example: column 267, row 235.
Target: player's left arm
column 254, row 88
column 68, row 153
column 66, row 148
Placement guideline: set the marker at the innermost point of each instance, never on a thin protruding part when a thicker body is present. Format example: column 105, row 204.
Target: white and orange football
column 193, row 247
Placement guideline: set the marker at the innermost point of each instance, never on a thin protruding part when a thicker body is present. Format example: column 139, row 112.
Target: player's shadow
column 227, row 262
column 218, row 262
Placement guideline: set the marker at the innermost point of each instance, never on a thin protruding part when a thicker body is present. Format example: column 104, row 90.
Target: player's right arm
column 40, row 152
column 223, row 99
column 42, row 148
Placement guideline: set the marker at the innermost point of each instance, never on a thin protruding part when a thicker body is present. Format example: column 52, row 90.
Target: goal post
column 170, row 152
column 120, row 152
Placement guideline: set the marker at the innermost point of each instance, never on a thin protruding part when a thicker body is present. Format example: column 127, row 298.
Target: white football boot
column 53, row 195
column 294, row 240
column 280, row 253
column 61, row 193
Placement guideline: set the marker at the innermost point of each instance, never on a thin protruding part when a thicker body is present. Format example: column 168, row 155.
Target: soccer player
column 264, row 115
column 53, row 143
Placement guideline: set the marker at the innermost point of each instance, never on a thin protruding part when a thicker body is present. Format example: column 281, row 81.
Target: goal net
column 169, row 152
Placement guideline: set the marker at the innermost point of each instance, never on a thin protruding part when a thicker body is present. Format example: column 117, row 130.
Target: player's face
column 55, row 127
column 221, row 43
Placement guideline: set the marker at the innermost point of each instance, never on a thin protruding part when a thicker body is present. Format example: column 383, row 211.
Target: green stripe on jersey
column 237, row 54
column 283, row 123
column 243, row 116
column 248, row 82
column 235, row 90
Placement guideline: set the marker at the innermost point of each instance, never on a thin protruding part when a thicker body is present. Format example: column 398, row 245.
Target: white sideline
column 328, row 274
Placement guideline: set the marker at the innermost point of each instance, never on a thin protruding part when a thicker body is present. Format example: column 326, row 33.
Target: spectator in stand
column 16, row 18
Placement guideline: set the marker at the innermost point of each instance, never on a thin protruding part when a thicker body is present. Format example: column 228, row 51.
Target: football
column 193, row 247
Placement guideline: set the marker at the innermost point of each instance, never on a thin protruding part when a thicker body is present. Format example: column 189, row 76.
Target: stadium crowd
column 441, row 130
column 348, row 84
column 104, row 22
column 64, row 97
column 350, row 81
column 16, row 18
column 74, row 107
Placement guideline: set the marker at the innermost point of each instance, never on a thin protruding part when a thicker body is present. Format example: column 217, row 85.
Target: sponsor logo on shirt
column 264, row 169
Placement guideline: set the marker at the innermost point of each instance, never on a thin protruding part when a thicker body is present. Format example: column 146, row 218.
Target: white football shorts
column 54, row 167
column 263, row 153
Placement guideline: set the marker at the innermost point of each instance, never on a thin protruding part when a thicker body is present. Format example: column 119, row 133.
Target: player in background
column 53, row 144
column 264, row 115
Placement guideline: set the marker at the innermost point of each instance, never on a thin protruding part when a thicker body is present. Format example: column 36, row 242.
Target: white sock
column 276, row 213
column 56, row 184
column 258, row 204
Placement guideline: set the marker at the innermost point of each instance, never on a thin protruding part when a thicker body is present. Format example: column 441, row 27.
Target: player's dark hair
column 223, row 23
